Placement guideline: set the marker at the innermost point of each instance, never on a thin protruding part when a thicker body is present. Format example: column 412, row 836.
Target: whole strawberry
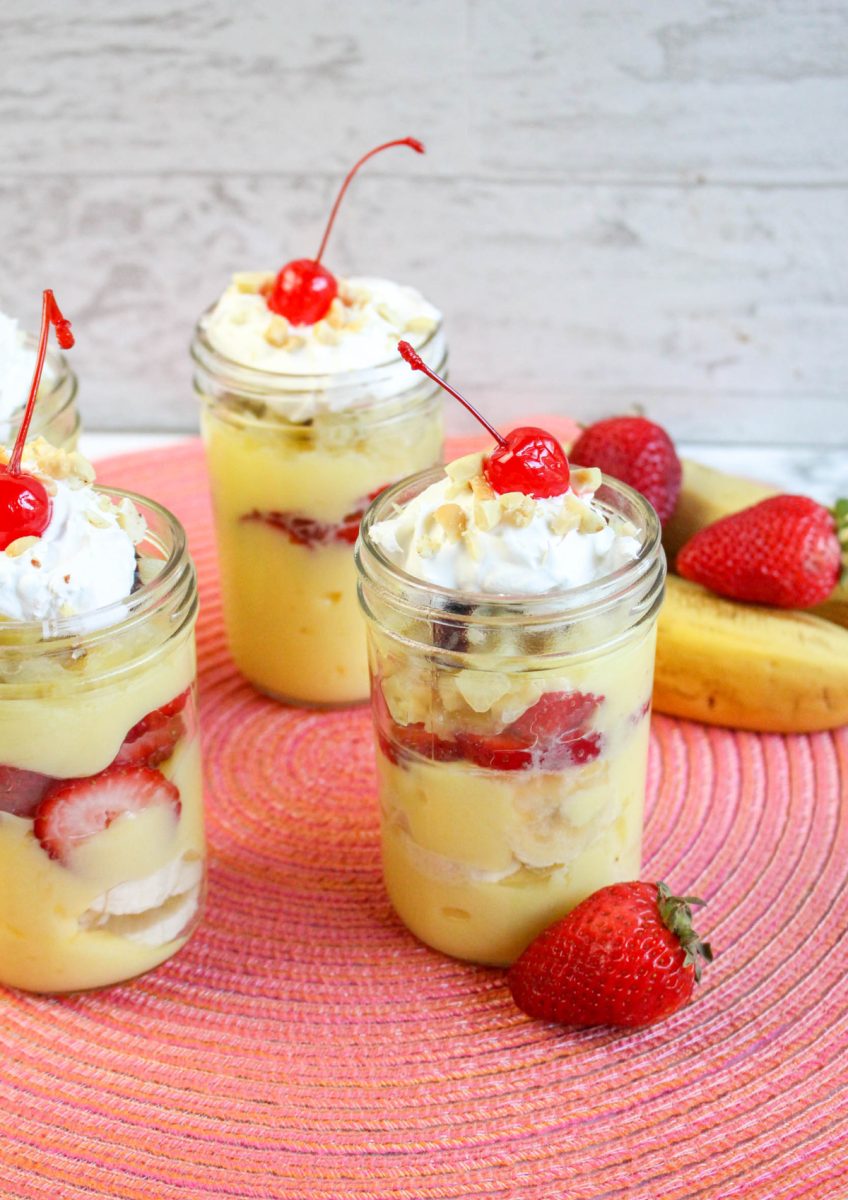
column 627, row 955
column 637, row 452
column 783, row 551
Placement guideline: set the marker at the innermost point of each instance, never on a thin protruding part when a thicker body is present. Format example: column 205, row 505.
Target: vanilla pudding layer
column 128, row 897
column 292, row 619
column 126, row 900
column 478, row 860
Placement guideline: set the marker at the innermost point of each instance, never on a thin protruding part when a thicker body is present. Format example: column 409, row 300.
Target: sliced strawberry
column 556, row 715
column 496, row 752
column 307, row 531
column 415, row 739
column 74, row 810
column 153, row 739
column 22, row 791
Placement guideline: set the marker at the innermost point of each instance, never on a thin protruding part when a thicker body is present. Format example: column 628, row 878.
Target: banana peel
column 746, row 666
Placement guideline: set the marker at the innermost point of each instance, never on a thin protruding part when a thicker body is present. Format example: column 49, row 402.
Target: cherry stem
column 50, row 315
column 417, row 363
column 414, row 143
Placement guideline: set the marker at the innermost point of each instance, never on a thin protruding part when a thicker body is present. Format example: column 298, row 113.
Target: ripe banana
column 749, row 667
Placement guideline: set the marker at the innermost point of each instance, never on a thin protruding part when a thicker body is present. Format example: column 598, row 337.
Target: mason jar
column 288, row 497
column 56, row 416
column 511, row 738
column 101, row 814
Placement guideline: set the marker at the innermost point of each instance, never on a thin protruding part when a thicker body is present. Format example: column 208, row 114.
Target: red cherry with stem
column 526, row 459
column 304, row 290
column 25, row 506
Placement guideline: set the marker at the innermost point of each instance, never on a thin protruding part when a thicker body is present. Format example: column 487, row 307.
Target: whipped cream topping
column 17, row 362
column 364, row 324
column 459, row 534
column 85, row 558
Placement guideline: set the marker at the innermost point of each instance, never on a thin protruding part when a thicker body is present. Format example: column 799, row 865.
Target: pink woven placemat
column 305, row 1046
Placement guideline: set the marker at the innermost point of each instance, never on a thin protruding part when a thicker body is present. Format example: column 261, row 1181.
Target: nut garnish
column 463, row 470
column 482, row 489
column 585, row 479
column 20, row 546
column 278, row 331
column 452, row 519
column 325, row 334
column 420, row 324
column 294, row 343
column 518, row 509
column 251, row 282
column 336, row 316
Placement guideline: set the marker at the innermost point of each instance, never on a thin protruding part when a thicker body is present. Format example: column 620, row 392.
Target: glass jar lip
column 202, row 348
column 584, row 595
column 119, row 614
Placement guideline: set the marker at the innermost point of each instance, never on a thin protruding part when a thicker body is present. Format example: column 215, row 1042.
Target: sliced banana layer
column 153, row 910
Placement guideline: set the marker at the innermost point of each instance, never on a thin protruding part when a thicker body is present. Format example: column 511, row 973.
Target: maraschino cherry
column 304, row 290
column 25, row 506
column 526, row 459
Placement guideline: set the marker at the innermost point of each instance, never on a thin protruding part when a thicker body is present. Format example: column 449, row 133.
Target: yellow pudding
column 101, row 817
column 478, row 860
column 512, row 730
column 294, row 460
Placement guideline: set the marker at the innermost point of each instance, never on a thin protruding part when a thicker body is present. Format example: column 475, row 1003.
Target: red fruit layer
column 154, row 738
column 307, row 531
column 76, row 809
column 21, row 791
column 148, row 744
column 551, row 735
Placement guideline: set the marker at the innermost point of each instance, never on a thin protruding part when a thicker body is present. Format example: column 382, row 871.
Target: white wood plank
column 653, row 90
column 723, row 312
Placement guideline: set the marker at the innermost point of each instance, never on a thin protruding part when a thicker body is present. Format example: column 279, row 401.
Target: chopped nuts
column 487, row 513
column 336, row 315
column 20, row 546
column 518, row 509
column 452, row 519
column 277, row 332
column 481, row 488
column 420, row 324
column 585, row 479
column 252, row 282
column 294, row 343
column 591, row 521
column 462, row 470
column 325, row 334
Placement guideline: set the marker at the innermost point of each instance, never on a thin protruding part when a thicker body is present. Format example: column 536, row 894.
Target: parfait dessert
column 511, row 607
column 101, row 826
column 56, row 418
column 307, row 414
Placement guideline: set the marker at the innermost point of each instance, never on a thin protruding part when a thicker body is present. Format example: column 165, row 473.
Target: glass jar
column 512, row 738
column 101, row 813
column 56, row 416
column 288, row 497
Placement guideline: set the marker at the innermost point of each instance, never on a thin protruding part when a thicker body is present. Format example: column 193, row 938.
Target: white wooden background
column 625, row 203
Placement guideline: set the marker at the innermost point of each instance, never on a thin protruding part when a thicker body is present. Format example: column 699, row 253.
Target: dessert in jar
column 307, row 414
column 511, row 607
column 56, row 418
column 101, row 821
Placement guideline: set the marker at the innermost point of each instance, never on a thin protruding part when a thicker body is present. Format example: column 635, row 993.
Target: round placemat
column 305, row 1046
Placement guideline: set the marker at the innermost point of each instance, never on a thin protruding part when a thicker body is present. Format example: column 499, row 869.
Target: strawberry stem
column 417, row 363
column 413, row 143
column 50, row 314
column 676, row 915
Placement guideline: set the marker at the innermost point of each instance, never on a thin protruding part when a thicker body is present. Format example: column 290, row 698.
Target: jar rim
column 373, row 565
column 119, row 615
